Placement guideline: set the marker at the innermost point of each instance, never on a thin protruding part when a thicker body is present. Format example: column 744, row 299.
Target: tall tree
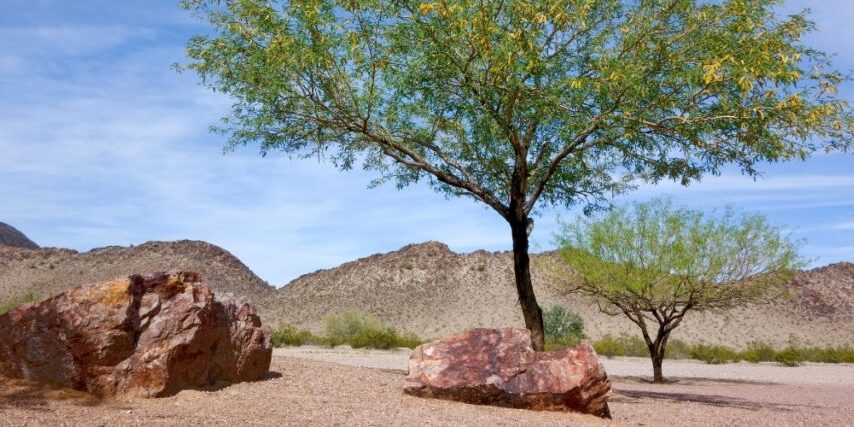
column 522, row 104
column 655, row 263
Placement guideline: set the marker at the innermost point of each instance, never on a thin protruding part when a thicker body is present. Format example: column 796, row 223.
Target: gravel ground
column 318, row 386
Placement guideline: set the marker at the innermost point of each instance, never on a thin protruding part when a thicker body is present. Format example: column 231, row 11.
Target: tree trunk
column 656, row 353
column 524, row 287
column 657, row 375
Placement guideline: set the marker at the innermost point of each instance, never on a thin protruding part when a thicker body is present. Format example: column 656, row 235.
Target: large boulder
column 499, row 367
column 145, row 336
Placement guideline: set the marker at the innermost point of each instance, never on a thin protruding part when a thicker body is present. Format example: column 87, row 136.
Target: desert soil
column 318, row 386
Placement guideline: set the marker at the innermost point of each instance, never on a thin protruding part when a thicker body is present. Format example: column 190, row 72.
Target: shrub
column 609, row 346
column 287, row 335
column 758, row 351
column 830, row 355
column 562, row 327
column 15, row 302
column 714, row 354
column 790, row 356
column 624, row 345
column 364, row 331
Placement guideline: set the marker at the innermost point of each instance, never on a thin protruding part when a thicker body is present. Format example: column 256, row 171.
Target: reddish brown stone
column 146, row 336
column 499, row 367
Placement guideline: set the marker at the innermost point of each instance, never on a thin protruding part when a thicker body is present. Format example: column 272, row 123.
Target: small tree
column 654, row 263
column 521, row 104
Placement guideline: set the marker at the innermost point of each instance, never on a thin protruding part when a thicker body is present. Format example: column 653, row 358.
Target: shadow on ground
column 689, row 381
column 34, row 396
column 635, row 396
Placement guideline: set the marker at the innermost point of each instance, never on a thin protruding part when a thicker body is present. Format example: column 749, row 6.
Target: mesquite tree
column 655, row 263
column 521, row 104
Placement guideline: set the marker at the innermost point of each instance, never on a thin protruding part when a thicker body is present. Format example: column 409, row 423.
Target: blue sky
column 101, row 143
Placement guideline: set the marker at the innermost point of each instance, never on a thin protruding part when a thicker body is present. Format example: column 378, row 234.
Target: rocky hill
column 49, row 271
column 432, row 291
column 10, row 236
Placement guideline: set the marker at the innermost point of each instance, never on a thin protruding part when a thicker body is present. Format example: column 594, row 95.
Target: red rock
column 499, row 367
column 146, row 336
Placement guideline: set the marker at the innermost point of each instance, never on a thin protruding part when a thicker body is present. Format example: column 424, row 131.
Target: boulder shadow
column 269, row 376
column 21, row 394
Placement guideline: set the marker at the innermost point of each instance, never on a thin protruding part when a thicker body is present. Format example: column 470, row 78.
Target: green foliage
column 654, row 262
column 624, row 345
column 714, row 354
column 8, row 305
column 790, row 356
column 562, row 328
column 525, row 103
column 828, row 354
column 758, row 352
column 656, row 258
column 471, row 94
column 287, row 335
column 365, row 331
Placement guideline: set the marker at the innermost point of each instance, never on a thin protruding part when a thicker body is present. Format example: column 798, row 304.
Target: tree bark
column 524, row 286
column 656, row 353
column 657, row 375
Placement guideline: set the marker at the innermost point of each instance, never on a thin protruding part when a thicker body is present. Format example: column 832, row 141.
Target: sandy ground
column 318, row 386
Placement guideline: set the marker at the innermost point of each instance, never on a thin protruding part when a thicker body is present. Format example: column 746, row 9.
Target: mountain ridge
column 10, row 236
column 428, row 289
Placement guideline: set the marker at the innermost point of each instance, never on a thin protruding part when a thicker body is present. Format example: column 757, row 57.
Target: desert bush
column 365, row 331
column 624, row 345
column 609, row 346
column 14, row 302
column 758, row 351
column 828, row 354
column 789, row 356
column 714, row 354
column 793, row 355
column 287, row 335
column 562, row 327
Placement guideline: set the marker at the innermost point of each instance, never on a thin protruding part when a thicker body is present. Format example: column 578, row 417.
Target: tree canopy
column 522, row 104
column 655, row 262
column 586, row 94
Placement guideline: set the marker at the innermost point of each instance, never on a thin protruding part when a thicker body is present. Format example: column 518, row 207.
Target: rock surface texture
column 144, row 336
column 499, row 367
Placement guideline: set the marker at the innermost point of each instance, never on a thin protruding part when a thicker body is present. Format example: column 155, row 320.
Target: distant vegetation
column 563, row 329
column 14, row 302
column 351, row 328
column 793, row 355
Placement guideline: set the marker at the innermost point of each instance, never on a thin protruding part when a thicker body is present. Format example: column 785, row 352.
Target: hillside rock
column 9, row 236
column 148, row 336
column 499, row 367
